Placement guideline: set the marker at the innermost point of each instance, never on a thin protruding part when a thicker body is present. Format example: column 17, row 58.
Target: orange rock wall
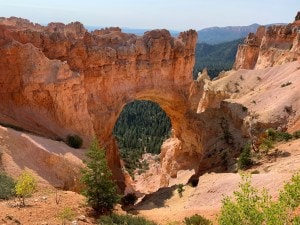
column 61, row 79
column 269, row 46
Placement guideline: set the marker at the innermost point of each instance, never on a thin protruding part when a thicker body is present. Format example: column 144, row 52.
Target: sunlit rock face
column 60, row 79
column 270, row 46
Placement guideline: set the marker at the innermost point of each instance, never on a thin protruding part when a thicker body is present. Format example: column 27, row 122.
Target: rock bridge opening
column 61, row 79
column 141, row 128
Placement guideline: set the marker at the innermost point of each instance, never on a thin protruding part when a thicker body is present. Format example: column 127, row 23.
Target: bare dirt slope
column 42, row 209
column 52, row 162
column 166, row 206
column 272, row 93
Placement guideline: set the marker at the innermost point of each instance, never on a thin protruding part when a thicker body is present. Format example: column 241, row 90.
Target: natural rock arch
column 61, row 79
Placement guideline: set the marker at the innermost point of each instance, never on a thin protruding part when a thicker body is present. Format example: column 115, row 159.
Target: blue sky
column 150, row 14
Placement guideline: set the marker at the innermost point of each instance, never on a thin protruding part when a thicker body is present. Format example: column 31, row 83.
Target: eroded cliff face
column 270, row 46
column 60, row 79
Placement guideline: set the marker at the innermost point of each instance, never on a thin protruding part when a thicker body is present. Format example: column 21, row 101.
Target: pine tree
column 100, row 190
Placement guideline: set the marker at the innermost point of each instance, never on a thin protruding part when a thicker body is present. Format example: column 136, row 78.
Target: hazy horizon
column 175, row 15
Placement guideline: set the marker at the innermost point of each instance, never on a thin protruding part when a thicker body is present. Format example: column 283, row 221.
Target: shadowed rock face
column 274, row 45
column 60, row 79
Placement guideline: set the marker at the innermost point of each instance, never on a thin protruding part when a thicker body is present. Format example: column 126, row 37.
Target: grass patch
column 115, row 219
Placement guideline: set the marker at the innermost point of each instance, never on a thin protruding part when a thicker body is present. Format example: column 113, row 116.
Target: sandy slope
column 205, row 199
column 54, row 163
column 267, row 92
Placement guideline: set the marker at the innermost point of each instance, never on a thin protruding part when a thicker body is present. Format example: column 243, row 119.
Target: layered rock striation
column 270, row 46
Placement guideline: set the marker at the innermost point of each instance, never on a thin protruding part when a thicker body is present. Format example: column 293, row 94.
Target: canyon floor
column 163, row 206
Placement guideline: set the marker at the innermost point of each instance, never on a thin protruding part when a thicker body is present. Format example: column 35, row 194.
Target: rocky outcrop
column 269, row 46
column 60, row 79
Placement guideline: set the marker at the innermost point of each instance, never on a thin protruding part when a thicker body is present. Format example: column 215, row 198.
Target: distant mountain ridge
column 217, row 35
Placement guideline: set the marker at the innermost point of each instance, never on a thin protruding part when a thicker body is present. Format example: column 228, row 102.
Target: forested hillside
column 141, row 127
column 215, row 57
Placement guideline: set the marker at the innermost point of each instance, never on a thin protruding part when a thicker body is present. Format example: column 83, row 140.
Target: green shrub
column 245, row 157
column 283, row 136
column 278, row 136
column 74, row 141
column 271, row 137
column 115, row 219
column 197, row 220
column 100, row 190
column 180, row 190
column 250, row 206
column 296, row 134
column 7, row 186
column 290, row 196
column 296, row 220
column 26, row 185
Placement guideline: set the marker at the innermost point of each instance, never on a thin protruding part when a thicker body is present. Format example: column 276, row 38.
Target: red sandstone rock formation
column 274, row 45
column 60, row 79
